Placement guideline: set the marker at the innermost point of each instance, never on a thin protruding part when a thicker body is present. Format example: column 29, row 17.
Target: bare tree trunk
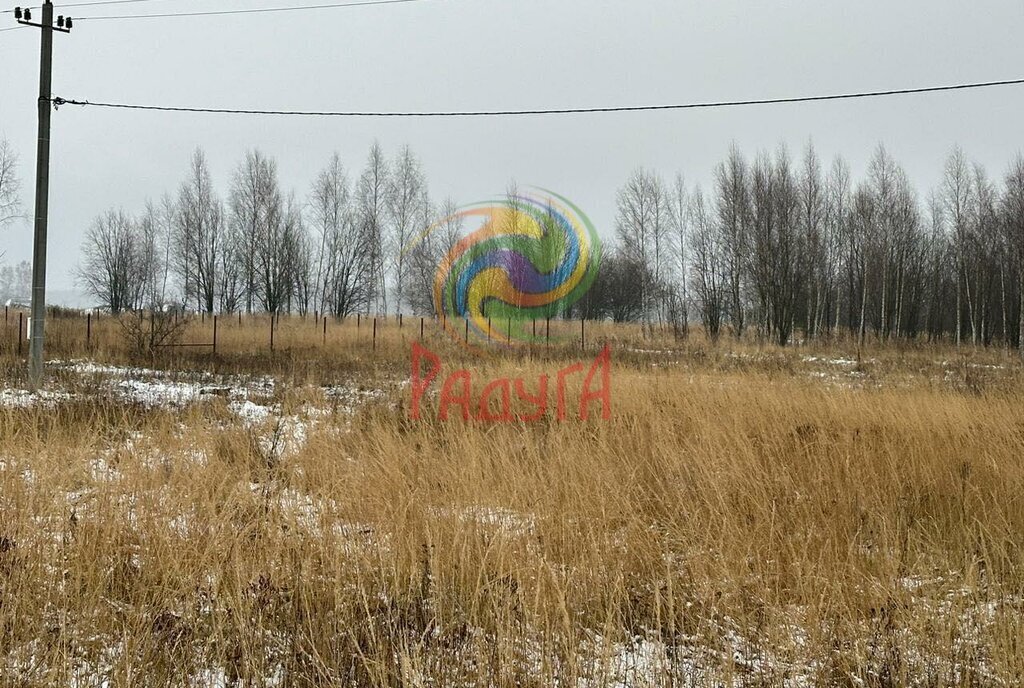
column 1020, row 316
column 970, row 310
column 835, row 330
column 900, row 286
column 863, row 307
column 959, row 307
column 1002, row 304
column 882, row 314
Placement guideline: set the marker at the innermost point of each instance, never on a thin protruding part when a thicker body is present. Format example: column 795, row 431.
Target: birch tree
column 679, row 214
column 405, row 200
column 1013, row 224
column 710, row 274
column 732, row 208
column 10, row 185
column 957, row 199
column 813, row 262
column 199, row 218
column 372, row 204
column 345, row 264
column 254, row 201
column 642, row 225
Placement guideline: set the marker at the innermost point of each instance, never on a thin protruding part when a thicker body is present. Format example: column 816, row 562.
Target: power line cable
column 57, row 101
column 104, row 2
column 253, row 10
column 202, row 13
column 98, row 3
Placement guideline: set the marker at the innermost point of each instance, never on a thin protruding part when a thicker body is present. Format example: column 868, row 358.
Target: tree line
column 342, row 249
column 776, row 248
column 786, row 249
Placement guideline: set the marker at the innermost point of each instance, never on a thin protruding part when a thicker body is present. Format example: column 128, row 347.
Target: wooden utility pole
column 35, row 348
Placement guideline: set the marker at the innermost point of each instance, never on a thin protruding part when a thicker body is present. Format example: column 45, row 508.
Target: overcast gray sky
column 493, row 54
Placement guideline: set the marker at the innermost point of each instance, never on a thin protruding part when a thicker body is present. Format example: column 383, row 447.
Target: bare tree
column 232, row 261
column 198, row 232
column 273, row 265
column 775, row 245
column 514, row 222
column 613, row 293
column 345, row 260
column 1013, row 223
column 428, row 254
column 254, row 200
column 372, row 206
column 679, row 214
column 451, row 228
column 16, row 282
column 329, row 203
column 302, row 257
column 405, row 199
column 785, row 248
column 958, row 198
column 814, row 259
column 732, row 206
column 985, row 257
column 10, row 185
column 643, row 226
column 894, row 230
column 863, row 229
column 113, row 269
column 841, row 244
column 154, row 236
column 710, row 273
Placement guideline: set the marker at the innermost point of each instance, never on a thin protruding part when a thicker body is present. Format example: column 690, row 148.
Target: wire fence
column 73, row 333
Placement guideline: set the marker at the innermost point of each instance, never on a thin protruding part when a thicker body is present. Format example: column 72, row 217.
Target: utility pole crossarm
column 64, row 26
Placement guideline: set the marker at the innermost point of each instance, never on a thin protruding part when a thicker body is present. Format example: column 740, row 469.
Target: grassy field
column 748, row 516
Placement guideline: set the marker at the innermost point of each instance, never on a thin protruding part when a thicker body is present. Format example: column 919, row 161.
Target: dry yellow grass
column 748, row 516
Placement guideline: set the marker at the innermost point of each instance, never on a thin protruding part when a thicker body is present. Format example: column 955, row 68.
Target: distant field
column 748, row 516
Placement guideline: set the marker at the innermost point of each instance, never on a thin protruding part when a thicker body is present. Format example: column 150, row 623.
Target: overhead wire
column 545, row 111
column 93, row 3
column 250, row 10
column 205, row 13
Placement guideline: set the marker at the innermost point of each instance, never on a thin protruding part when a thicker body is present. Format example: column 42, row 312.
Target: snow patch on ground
column 250, row 413
column 22, row 398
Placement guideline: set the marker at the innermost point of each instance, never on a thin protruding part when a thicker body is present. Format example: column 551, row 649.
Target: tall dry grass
column 747, row 517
